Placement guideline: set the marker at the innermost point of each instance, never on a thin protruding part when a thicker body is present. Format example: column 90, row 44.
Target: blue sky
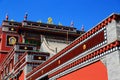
column 81, row 12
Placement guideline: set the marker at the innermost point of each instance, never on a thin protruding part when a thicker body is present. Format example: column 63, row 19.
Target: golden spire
column 50, row 20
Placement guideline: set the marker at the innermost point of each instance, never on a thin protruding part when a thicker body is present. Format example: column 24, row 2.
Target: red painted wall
column 21, row 77
column 95, row 71
column 3, row 43
column 2, row 56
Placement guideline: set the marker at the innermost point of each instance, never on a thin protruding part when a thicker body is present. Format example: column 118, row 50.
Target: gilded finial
column 50, row 20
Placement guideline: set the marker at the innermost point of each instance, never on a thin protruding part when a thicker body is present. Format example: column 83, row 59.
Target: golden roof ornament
column 50, row 20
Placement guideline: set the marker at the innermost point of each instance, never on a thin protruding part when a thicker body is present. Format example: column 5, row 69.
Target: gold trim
column 42, row 71
column 25, row 47
column 12, row 29
column 84, row 46
column 39, row 57
column 59, row 61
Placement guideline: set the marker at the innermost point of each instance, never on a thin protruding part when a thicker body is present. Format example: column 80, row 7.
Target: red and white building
column 39, row 51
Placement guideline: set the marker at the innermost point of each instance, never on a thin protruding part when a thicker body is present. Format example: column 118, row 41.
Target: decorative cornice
column 3, row 51
column 89, row 59
column 69, row 54
column 86, row 35
column 79, row 40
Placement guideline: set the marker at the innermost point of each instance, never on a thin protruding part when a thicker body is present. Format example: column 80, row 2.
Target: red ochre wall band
column 87, row 57
column 97, row 39
column 90, row 43
column 95, row 71
column 21, row 76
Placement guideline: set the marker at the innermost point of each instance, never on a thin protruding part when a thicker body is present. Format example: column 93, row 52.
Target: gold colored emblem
column 42, row 71
column 50, row 20
column 39, row 57
column 84, row 46
column 12, row 40
column 25, row 48
column 12, row 29
column 59, row 61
